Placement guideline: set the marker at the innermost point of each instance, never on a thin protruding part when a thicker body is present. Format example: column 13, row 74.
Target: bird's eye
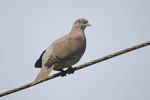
column 79, row 21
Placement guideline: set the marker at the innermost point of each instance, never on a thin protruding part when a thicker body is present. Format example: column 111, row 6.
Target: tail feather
column 43, row 74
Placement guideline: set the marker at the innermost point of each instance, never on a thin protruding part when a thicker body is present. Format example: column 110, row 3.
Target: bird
column 64, row 52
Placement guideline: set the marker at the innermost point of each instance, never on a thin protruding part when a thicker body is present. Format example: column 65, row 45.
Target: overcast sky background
column 27, row 27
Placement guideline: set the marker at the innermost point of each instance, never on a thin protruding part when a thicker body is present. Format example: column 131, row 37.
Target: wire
column 78, row 67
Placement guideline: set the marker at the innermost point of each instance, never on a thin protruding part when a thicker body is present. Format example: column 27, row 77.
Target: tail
column 43, row 74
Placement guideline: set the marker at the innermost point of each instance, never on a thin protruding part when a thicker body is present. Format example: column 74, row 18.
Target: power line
column 79, row 67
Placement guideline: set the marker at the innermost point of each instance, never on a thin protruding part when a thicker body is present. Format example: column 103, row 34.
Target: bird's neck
column 78, row 27
column 76, row 30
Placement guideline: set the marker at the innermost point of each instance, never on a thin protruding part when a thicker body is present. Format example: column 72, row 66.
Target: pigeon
column 64, row 52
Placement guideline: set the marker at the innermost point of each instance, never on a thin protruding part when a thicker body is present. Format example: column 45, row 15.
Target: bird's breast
column 77, row 44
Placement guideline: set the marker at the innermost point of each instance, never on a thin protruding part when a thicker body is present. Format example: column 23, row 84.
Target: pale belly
column 59, row 67
column 66, row 64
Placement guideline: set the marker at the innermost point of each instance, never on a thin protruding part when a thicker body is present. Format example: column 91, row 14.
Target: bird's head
column 81, row 23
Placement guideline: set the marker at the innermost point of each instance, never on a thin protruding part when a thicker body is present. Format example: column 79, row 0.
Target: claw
column 70, row 70
column 63, row 73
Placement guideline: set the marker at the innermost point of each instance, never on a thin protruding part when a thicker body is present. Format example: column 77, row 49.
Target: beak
column 87, row 24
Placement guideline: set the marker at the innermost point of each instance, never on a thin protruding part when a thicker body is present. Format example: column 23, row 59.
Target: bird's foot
column 70, row 70
column 63, row 73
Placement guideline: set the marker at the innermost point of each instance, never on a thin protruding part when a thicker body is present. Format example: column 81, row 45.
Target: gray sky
column 27, row 27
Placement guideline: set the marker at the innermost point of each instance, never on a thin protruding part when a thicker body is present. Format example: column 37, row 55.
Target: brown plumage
column 64, row 52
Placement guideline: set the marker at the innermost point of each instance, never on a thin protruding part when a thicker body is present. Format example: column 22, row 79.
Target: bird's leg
column 70, row 70
column 63, row 73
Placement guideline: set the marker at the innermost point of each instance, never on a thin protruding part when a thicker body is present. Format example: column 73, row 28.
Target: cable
column 79, row 67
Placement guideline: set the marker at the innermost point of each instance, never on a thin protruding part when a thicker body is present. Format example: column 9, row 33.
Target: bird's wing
column 61, row 51
column 58, row 54
column 38, row 63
